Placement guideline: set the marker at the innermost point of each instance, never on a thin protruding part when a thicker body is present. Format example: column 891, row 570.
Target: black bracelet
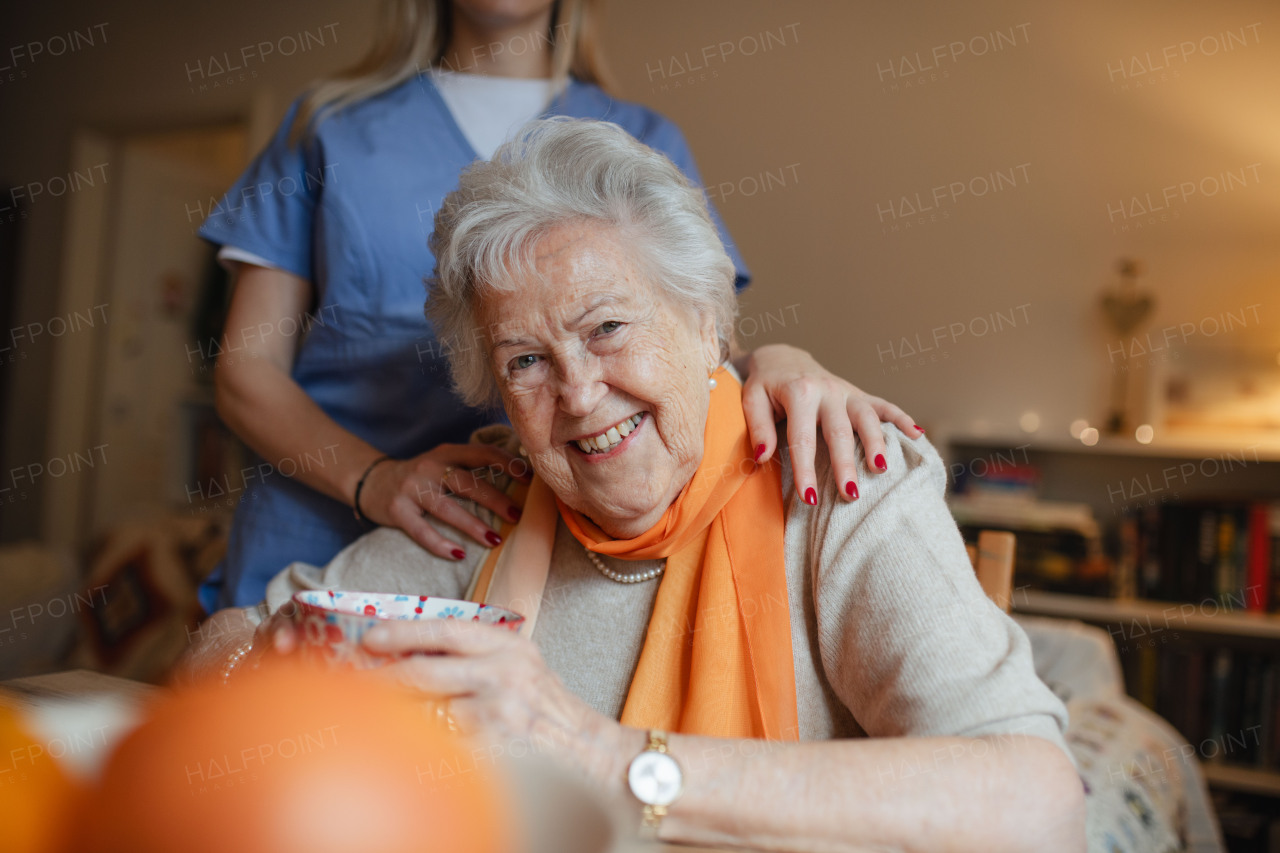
column 355, row 503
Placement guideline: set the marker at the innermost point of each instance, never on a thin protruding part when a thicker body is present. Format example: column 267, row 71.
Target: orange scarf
column 717, row 656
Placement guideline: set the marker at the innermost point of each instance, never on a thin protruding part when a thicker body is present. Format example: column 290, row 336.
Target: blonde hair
column 412, row 35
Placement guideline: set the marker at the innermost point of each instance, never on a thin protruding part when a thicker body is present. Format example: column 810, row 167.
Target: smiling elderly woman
column 680, row 595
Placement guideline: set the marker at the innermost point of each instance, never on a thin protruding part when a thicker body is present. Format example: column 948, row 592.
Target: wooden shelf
column 1261, row 446
column 1246, row 779
column 1150, row 616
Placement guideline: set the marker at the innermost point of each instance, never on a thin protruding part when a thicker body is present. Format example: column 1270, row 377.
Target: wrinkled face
column 603, row 377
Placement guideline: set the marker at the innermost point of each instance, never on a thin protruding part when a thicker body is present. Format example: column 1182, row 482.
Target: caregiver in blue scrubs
column 329, row 370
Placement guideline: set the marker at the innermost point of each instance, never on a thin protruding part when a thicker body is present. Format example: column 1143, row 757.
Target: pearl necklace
column 638, row 577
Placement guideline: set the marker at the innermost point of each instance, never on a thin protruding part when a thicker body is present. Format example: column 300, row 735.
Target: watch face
column 655, row 778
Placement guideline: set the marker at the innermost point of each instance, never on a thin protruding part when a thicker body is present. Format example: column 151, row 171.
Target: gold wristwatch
column 656, row 780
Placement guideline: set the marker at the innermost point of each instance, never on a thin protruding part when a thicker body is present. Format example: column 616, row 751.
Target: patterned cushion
column 1133, row 769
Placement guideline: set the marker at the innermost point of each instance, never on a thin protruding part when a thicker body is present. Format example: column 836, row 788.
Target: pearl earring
column 712, row 381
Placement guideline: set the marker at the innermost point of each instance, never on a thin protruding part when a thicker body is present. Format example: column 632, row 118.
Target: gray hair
column 554, row 172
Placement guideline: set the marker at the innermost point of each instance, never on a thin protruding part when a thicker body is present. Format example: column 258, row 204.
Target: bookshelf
column 1116, row 473
column 1182, row 656
column 1245, row 779
column 1157, row 614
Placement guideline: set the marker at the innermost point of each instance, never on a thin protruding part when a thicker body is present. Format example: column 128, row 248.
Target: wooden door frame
column 74, row 404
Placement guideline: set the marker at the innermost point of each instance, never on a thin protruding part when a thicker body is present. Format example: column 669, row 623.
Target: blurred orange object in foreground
column 291, row 758
column 35, row 795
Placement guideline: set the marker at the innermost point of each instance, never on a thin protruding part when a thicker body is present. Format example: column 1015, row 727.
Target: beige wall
column 811, row 115
column 1050, row 98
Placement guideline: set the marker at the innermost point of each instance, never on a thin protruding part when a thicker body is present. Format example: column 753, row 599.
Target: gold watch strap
column 651, row 820
column 657, row 741
column 652, row 815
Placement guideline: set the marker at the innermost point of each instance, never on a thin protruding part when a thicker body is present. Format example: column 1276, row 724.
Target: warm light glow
column 1030, row 422
column 1144, row 434
column 1089, row 436
column 1078, row 426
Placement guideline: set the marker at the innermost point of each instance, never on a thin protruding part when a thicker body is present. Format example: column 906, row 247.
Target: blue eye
column 520, row 362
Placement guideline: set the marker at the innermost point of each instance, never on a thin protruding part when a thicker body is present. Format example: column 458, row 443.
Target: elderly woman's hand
column 783, row 381
column 278, row 633
column 499, row 689
column 401, row 493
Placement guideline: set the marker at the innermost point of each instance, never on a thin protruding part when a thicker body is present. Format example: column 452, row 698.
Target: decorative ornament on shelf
column 1125, row 307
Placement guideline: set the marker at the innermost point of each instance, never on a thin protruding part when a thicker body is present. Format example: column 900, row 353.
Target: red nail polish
column 515, row 513
column 759, row 452
column 492, row 538
column 851, row 489
column 810, row 496
column 880, row 463
column 458, row 553
column 918, row 427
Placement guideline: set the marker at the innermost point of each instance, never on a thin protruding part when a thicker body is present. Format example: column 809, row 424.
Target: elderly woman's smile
column 683, row 599
column 604, row 378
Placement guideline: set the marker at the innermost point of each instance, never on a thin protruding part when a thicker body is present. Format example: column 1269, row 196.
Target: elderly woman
column 685, row 608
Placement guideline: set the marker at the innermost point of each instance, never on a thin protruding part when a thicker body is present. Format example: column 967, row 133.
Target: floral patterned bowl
column 332, row 622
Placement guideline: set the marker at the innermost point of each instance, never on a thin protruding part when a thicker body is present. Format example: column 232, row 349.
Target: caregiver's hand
column 786, row 382
column 401, row 493
column 499, row 689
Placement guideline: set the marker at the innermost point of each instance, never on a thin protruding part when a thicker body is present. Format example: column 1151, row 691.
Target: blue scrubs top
column 350, row 210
